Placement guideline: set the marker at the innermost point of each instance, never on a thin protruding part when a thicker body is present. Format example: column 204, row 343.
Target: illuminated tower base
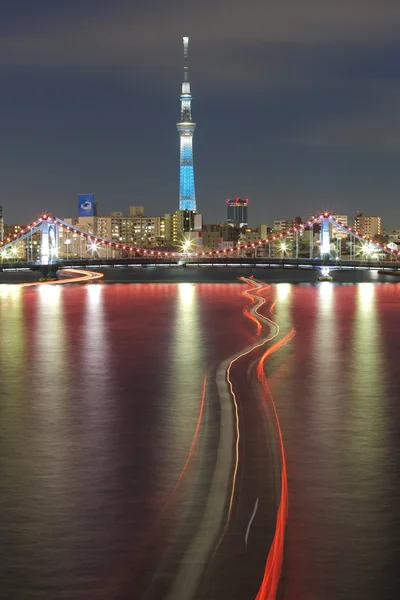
column 187, row 194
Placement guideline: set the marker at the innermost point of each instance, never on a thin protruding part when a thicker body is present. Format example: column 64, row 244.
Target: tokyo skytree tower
column 186, row 127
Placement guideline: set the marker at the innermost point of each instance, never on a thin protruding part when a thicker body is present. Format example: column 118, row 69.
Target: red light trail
column 255, row 298
column 83, row 277
column 273, row 565
column 195, row 437
column 269, row 585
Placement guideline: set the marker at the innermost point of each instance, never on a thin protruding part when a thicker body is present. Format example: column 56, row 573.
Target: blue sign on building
column 86, row 206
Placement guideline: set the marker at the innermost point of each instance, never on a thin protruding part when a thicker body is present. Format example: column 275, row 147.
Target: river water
column 113, row 460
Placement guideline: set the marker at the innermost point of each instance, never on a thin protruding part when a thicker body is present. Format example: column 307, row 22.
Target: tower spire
column 185, row 58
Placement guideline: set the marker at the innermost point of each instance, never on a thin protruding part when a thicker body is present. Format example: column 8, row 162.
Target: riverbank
column 390, row 273
column 223, row 274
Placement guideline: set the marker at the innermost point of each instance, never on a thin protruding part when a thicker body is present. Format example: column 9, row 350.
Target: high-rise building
column 1, row 223
column 283, row 226
column 368, row 226
column 179, row 223
column 237, row 211
column 186, row 128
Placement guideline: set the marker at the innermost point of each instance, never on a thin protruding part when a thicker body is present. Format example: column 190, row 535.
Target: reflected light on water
column 49, row 295
column 12, row 356
column 327, row 377
column 94, row 296
column 283, row 291
column 95, row 346
column 50, row 347
column 281, row 309
column 186, row 294
column 366, row 297
column 96, row 372
column 325, row 289
column 369, row 397
column 9, row 291
column 186, row 375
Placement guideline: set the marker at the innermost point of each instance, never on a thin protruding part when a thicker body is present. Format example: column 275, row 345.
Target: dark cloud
column 137, row 34
column 286, row 94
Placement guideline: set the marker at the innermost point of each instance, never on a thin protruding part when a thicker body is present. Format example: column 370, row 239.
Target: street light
column 67, row 243
column 93, row 247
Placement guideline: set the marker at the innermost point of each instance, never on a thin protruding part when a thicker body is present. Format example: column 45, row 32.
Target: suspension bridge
column 49, row 243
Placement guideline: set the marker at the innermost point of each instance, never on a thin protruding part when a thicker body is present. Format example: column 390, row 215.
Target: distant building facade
column 143, row 232
column 179, row 223
column 395, row 236
column 237, row 211
column 370, row 226
column 283, row 226
column 133, row 230
column 10, row 230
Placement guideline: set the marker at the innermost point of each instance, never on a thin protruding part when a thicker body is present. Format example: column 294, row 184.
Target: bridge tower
column 48, row 242
column 186, row 128
column 325, row 241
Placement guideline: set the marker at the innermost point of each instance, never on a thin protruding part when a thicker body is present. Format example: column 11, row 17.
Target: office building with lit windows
column 237, row 211
column 368, row 226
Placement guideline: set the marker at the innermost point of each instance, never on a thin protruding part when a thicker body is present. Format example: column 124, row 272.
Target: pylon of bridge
column 48, row 242
column 325, row 241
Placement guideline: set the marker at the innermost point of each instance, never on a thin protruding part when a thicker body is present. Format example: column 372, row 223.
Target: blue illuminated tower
column 186, row 127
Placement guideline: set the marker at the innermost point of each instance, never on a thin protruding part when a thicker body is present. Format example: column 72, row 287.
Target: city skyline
column 299, row 115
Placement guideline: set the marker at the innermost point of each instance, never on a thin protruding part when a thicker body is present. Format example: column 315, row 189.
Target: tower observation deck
column 186, row 128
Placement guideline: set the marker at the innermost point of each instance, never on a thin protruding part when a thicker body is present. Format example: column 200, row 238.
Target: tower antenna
column 185, row 58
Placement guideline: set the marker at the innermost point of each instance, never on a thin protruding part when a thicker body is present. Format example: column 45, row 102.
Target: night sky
column 296, row 105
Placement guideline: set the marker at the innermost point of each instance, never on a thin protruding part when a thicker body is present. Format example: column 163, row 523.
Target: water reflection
column 366, row 438
column 96, row 360
column 367, row 382
column 326, row 366
column 281, row 311
column 12, row 347
column 49, row 379
column 283, row 293
column 185, row 377
column 100, row 394
column 12, row 360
